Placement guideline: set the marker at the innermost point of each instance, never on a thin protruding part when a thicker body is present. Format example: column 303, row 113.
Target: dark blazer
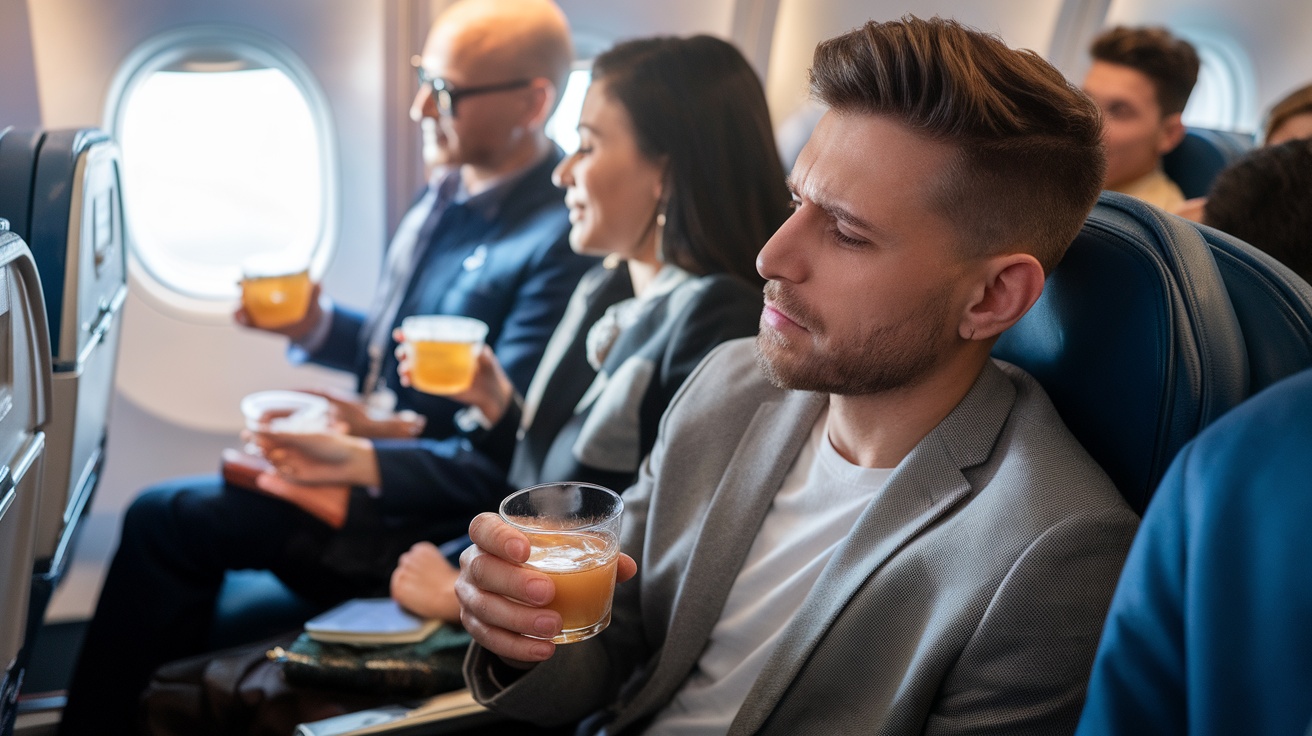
column 967, row 599
column 591, row 426
column 515, row 272
column 1210, row 631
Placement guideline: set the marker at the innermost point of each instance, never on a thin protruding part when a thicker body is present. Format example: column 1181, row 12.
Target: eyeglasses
column 447, row 96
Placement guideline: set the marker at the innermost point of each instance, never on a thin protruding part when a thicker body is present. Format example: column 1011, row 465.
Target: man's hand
column 296, row 330
column 501, row 600
column 327, row 503
column 424, row 583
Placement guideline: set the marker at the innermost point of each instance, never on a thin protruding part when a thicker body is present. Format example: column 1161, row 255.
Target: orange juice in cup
column 274, row 291
column 573, row 529
column 443, row 351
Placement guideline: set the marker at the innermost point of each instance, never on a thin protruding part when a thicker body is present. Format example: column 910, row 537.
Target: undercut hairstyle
column 1170, row 63
column 698, row 105
column 1298, row 102
column 1265, row 200
column 1029, row 157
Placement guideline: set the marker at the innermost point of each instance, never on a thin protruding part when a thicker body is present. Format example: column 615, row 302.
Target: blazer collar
column 926, row 484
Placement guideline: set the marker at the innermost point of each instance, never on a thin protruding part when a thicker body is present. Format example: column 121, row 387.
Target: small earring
column 660, row 237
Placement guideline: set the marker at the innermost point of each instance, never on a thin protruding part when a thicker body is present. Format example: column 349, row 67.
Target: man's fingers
column 489, row 532
column 625, row 568
column 503, row 621
column 495, row 575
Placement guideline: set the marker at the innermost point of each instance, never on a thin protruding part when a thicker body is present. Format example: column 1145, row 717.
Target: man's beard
column 888, row 357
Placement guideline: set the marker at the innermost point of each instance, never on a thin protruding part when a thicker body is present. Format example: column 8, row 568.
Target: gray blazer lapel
column 926, row 484
column 742, row 499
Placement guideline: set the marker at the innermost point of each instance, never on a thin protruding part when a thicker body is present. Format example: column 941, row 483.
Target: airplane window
column 1224, row 97
column 563, row 127
column 224, row 157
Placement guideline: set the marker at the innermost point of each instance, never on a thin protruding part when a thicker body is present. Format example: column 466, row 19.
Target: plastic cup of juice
column 443, row 351
column 275, row 291
column 573, row 529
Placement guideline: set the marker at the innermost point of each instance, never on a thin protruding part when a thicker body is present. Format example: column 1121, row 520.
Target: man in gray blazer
column 859, row 522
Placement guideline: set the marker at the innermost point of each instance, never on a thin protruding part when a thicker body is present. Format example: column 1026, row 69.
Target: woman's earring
column 660, row 237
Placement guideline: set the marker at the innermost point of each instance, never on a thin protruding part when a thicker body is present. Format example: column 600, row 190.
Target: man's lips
column 778, row 319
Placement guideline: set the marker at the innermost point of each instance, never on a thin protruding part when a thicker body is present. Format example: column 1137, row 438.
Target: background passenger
column 488, row 240
column 676, row 177
column 1290, row 118
column 1141, row 78
column 859, row 522
column 1208, row 632
column 1265, row 199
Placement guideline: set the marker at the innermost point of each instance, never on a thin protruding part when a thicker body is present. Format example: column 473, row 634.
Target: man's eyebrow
column 836, row 211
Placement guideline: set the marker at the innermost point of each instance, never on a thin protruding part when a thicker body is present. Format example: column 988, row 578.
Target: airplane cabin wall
column 20, row 105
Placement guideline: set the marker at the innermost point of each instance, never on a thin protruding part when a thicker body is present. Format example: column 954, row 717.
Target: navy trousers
column 178, row 541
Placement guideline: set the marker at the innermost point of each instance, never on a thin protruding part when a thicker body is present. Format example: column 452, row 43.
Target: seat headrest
column 1135, row 341
column 1204, row 153
column 1273, row 305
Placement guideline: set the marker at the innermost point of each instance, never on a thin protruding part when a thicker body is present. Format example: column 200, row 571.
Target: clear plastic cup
column 275, row 290
column 443, row 351
column 574, row 532
column 286, row 412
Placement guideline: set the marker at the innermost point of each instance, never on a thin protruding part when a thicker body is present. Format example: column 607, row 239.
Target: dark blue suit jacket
column 514, row 272
column 1210, row 630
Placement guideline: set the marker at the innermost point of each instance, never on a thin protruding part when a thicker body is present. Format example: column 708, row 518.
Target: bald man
column 486, row 239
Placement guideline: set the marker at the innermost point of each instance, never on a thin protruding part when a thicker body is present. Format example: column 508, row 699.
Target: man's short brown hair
column 1171, row 63
column 1030, row 160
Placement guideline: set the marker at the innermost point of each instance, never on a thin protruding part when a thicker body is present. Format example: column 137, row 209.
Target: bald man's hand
column 501, row 600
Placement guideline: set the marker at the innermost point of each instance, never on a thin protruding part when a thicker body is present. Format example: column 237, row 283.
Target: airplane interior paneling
column 152, row 150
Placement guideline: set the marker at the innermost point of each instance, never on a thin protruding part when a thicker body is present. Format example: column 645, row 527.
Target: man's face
column 1135, row 131
column 866, row 285
column 484, row 126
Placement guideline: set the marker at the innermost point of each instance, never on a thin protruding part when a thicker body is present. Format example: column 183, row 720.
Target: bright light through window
column 218, row 166
column 563, row 127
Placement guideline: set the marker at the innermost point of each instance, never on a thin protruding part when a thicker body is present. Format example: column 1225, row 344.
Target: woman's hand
column 320, row 457
column 491, row 390
column 356, row 420
column 424, row 583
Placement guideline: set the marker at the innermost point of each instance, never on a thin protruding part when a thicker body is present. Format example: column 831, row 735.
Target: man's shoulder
column 728, row 384
column 1038, row 458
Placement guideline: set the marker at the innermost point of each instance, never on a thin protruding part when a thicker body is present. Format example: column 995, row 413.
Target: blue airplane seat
column 1273, row 305
column 1135, row 341
column 1203, row 153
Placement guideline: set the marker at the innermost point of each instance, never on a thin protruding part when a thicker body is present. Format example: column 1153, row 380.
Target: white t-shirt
column 811, row 515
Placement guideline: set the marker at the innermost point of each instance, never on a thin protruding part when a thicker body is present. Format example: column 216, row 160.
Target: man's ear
column 1171, row 135
column 542, row 100
column 1011, row 284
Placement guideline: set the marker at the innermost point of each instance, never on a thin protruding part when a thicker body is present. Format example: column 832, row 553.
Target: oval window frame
column 173, row 46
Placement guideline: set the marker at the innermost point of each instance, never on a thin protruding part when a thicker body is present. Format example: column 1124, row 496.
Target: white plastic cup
column 286, row 412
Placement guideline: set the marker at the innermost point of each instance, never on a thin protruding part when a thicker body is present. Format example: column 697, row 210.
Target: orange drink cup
column 574, row 532
column 443, row 352
column 275, row 293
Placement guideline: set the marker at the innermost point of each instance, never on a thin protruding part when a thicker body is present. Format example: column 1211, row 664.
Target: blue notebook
column 370, row 621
